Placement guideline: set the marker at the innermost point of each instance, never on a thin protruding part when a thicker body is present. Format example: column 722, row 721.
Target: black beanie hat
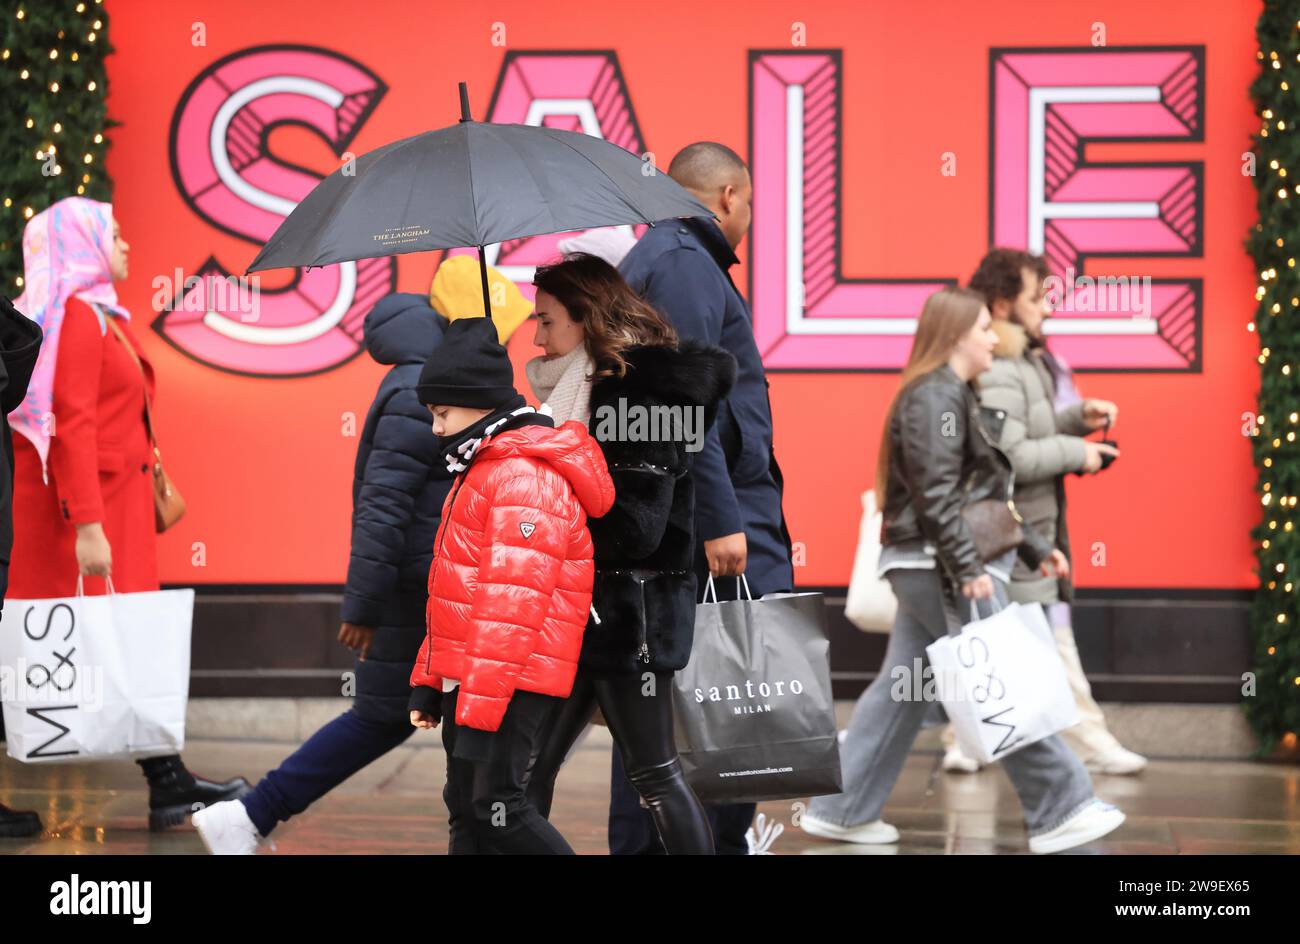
column 469, row 368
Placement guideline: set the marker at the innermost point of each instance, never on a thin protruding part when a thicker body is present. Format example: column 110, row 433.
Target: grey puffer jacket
column 942, row 458
column 1042, row 444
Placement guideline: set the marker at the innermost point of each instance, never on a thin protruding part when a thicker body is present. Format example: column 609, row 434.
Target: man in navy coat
column 682, row 268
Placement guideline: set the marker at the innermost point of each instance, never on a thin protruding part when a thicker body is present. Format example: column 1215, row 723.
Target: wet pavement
column 395, row 807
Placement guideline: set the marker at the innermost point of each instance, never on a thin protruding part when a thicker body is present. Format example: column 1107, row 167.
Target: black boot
column 18, row 824
column 175, row 793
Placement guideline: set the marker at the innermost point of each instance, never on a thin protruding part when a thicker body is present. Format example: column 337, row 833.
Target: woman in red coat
column 83, row 489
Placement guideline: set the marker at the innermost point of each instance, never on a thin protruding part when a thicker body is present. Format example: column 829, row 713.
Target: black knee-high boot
column 679, row 816
column 642, row 727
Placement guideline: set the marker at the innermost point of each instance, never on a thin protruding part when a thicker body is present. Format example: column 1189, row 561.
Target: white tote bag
column 1002, row 683
column 96, row 677
column 871, row 604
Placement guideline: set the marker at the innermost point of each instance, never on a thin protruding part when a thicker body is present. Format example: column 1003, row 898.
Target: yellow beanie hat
column 457, row 292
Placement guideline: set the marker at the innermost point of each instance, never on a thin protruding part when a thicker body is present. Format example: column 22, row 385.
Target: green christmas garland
column 1274, row 706
column 53, row 92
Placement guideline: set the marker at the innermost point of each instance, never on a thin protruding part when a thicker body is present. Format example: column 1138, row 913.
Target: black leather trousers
column 639, row 711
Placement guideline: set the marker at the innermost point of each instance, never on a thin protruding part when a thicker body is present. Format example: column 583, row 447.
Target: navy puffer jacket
column 398, row 489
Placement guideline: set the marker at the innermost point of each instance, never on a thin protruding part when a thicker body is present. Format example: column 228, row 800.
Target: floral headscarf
column 66, row 253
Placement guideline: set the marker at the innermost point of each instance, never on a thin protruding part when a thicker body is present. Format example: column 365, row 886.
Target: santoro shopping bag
column 754, row 714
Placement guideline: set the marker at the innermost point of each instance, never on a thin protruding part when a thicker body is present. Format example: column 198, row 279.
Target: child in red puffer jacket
column 509, row 590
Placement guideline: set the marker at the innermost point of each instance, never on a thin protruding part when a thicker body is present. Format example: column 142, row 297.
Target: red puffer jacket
column 510, row 586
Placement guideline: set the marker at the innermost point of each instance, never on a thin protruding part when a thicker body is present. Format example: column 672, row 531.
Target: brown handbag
column 168, row 503
column 995, row 525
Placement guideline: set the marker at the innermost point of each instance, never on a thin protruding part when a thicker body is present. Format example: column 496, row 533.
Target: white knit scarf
column 564, row 384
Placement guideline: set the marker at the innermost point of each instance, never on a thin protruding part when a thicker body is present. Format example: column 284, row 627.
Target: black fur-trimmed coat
column 645, row 586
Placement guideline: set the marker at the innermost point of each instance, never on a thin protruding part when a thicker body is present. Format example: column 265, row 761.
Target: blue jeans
column 330, row 756
column 1049, row 780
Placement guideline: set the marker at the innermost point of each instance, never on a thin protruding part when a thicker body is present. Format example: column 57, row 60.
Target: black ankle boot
column 18, row 824
column 175, row 793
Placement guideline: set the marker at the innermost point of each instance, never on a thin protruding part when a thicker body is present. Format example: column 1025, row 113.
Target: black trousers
column 632, row 831
column 639, row 712
column 489, row 808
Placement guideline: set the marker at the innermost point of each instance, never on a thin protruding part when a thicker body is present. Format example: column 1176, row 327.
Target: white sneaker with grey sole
column 1088, row 825
column 868, row 834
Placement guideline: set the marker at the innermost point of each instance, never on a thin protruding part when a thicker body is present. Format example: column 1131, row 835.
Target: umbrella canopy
column 472, row 184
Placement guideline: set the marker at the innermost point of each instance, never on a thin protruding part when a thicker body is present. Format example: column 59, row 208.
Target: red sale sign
column 889, row 149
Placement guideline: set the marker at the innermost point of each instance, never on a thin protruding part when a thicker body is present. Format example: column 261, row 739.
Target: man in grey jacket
column 1043, row 438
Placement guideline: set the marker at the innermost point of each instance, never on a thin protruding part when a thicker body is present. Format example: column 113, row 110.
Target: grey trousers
column 1050, row 781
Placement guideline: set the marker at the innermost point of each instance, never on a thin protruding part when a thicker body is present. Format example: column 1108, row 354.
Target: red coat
column 510, row 586
column 99, row 466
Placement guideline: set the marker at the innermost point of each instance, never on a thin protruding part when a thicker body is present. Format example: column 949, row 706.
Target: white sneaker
column 226, row 829
column 868, row 834
column 1118, row 761
column 1089, row 824
column 956, row 761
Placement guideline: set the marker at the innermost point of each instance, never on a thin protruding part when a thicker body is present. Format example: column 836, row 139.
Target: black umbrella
column 471, row 184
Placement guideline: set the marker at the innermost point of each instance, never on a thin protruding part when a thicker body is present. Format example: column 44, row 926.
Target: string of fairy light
column 49, row 146
column 1277, row 438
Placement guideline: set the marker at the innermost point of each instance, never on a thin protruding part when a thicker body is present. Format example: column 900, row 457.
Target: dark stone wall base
column 1136, row 645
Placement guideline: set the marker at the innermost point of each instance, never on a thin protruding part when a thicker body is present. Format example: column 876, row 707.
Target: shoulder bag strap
column 135, row 358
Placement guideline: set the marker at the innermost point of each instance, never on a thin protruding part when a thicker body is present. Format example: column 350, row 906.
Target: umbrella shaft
column 482, row 271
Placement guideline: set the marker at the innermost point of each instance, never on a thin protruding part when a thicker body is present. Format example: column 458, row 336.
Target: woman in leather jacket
column 932, row 412
column 936, row 460
column 648, row 398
